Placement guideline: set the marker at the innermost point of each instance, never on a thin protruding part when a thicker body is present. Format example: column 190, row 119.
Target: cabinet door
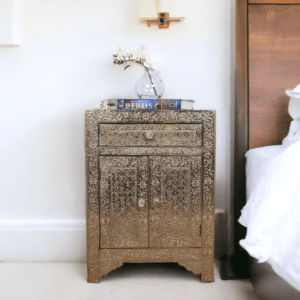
column 175, row 201
column 123, row 201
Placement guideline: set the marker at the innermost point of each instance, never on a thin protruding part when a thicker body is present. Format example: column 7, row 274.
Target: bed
column 267, row 64
column 268, row 284
column 279, row 277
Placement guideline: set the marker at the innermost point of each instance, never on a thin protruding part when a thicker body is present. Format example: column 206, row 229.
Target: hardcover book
column 146, row 104
column 134, row 104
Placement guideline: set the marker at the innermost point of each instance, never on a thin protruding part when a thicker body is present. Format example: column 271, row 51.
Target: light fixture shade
column 164, row 6
column 9, row 22
column 147, row 8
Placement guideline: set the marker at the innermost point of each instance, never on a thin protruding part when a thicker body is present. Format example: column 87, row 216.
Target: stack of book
column 146, row 104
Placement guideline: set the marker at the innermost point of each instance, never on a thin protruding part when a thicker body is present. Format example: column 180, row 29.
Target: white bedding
column 272, row 212
column 257, row 162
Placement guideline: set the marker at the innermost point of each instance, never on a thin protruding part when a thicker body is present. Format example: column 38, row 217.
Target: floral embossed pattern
column 151, row 135
column 149, row 173
column 123, row 182
column 151, row 151
column 175, row 181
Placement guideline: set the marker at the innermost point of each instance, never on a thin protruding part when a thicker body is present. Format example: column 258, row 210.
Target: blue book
column 148, row 104
column 133, row 104
column 170, row 104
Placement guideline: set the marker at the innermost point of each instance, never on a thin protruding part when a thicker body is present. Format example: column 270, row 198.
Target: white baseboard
column 64, row 240
column 34, row 240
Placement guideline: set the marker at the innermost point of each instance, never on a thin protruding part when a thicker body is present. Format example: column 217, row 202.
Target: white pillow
column 293, row 135
column 258, row 159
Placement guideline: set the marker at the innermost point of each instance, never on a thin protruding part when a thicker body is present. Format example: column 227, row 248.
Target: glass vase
column 150, row 86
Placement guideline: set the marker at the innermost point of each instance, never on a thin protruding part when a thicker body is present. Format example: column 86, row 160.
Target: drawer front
column 150, row 135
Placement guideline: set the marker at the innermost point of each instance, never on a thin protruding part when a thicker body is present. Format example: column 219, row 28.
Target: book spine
column 146, row 104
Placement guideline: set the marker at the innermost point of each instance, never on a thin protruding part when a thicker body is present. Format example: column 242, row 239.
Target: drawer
column 150, row 135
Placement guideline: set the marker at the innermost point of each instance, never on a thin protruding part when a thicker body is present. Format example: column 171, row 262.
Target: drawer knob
column 149, row 135
column 156, row 202
column 141, row 203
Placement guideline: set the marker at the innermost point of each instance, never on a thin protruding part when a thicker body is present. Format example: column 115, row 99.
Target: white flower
column 121, row 55
column 149, row 61
column 137, row 52
column 126, row 53
column 118, row 56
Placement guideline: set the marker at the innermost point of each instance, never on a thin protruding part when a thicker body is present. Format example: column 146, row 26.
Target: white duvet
column 272, row 212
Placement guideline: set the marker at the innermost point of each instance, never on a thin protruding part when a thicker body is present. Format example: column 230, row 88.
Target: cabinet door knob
column 141, row 202
column 156, row 202
column 149, row 135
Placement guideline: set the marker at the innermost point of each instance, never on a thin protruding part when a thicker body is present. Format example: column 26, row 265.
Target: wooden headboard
column 274, row 66
column 267, row 63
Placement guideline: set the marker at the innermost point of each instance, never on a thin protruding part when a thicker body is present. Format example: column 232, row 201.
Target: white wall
column 63, row 67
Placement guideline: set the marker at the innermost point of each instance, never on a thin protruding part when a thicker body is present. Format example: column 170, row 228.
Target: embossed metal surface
column 190, row 258
column 150, row 135
column 123, row 223
column 100, row 260
column 175, row 182
column 151, row 151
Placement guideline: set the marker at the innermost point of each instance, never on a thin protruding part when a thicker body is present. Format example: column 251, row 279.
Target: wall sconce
column 163, row 19
column 9, row 22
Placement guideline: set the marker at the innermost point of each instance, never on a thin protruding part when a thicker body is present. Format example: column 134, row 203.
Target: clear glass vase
column 150, row 86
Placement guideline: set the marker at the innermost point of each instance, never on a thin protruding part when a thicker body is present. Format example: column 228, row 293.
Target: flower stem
column 151, row 81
